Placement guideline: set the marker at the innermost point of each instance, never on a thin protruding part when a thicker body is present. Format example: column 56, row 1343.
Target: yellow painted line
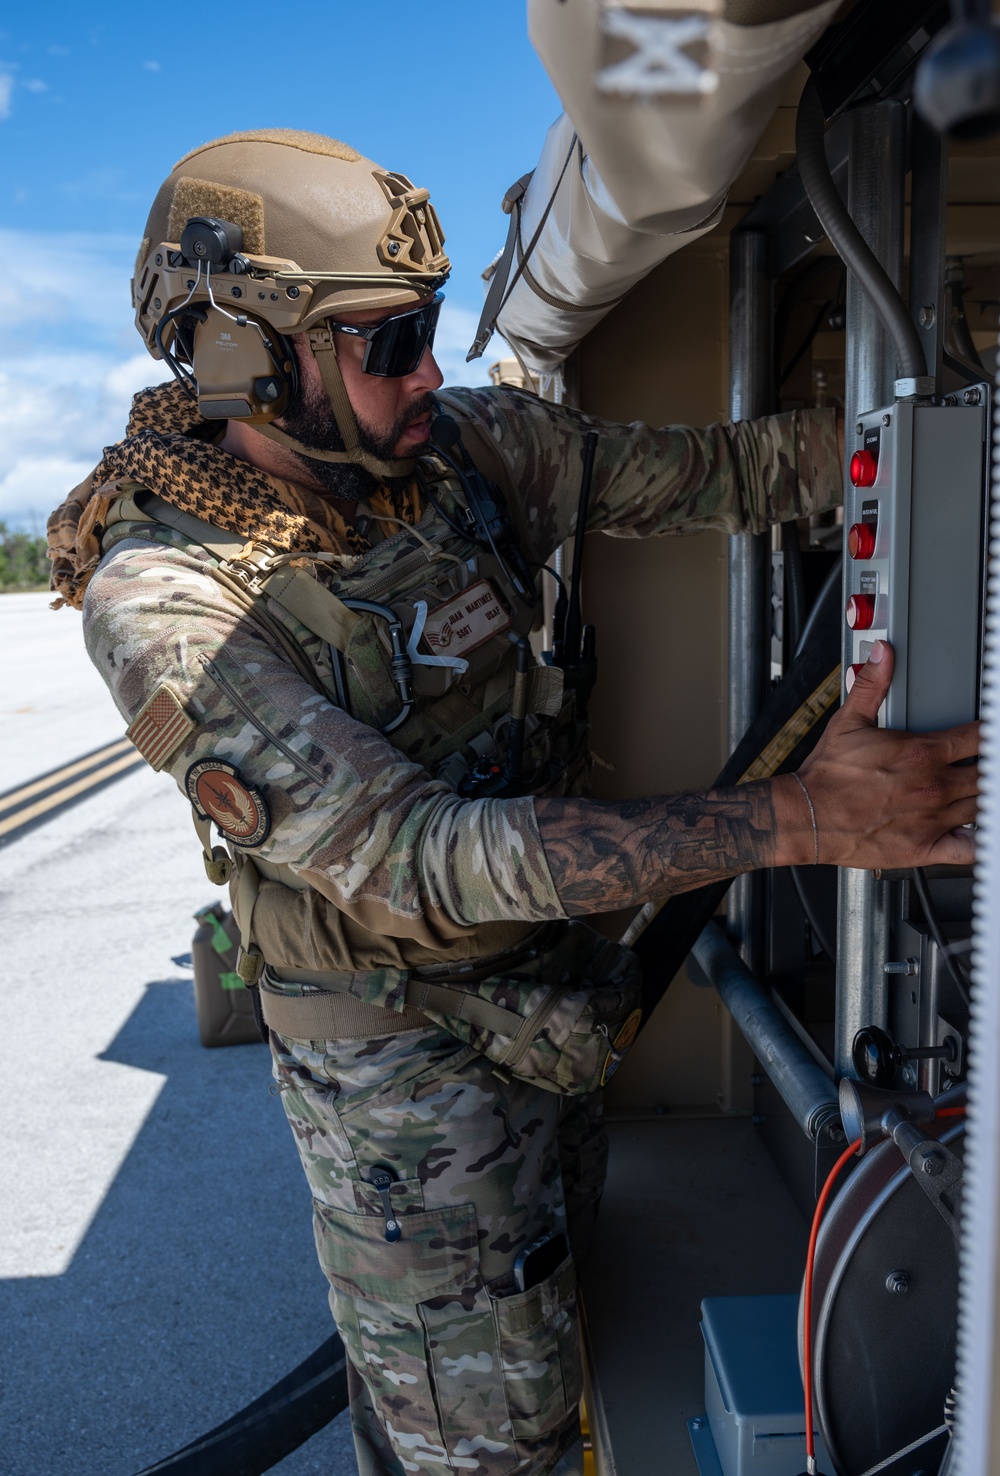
column 69, row 791
column 18, row 796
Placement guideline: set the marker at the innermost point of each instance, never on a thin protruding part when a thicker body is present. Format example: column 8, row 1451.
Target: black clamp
column 382, row 1179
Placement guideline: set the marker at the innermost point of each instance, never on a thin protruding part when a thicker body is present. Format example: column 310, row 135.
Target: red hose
column 807, row 1298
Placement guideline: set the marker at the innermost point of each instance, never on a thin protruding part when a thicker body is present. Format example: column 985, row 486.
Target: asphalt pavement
column 157, row 1268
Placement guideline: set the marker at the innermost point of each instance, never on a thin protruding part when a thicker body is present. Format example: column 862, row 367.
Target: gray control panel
column 913, row 517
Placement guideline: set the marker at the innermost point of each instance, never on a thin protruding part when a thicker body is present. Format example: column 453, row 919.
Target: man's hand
column 882, row 797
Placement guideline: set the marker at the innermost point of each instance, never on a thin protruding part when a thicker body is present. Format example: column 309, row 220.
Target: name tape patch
column 219, row 794
column 466, row 621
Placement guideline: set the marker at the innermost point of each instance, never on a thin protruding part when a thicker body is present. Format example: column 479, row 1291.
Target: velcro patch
column 466, row 621
column 620, row 1046
column 160, row 727
column 219, row 793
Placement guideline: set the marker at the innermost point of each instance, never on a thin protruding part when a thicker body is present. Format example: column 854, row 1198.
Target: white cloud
column 151, row 66
column 68, row 279
column 72, row 361
column 6, row 93
column 56, row 416
column 35, row 84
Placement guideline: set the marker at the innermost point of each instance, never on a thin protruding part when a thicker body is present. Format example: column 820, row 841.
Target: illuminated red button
column 861, row 540
column 861, row 612
column 863, row 469
column 852, row 674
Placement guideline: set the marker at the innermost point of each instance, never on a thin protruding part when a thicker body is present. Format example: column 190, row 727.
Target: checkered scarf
column 167, row 449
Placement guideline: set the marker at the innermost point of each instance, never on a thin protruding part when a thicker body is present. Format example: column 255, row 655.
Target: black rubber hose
column 275, row 1424
column 848, row 241
column 668, row 939
column 795, row 585
column 830, row 585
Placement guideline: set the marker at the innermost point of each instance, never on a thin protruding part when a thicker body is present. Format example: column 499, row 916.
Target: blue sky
column 96, row 104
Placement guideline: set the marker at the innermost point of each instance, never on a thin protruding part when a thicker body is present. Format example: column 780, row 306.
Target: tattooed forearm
column 607, row 855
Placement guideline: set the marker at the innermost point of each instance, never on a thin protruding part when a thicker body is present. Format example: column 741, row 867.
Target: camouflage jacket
column 394, row 848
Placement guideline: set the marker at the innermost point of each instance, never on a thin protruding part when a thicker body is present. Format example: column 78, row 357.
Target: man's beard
column 310, row 421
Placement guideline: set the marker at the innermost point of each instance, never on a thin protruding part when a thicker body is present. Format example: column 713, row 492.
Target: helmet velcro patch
column 140, row 260
column 224, row 202
column 294, row 138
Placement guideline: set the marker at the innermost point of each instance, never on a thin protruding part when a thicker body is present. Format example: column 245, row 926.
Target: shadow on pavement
column 195, row 1286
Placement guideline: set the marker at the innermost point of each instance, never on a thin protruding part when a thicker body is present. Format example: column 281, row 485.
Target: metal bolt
column 886, row 419
column 897, row 1282
column 972, row 396
column 292, row 291
column 157, row 303
column 159, row 258
column 927, row 316
column 931, row 1165
column 393, row 248
column 909, row 1074
column 200, row 248
column 189, row 283
column 236, row 291
column 697, row 1424
column 859, row 428
column 262, row 295
column 274, row 297
column 901, row 966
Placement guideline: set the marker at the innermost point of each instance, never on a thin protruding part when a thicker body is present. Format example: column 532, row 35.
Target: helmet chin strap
column 322, row 343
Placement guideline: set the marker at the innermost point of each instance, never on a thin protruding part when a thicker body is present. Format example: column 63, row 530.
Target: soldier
column 308, row 580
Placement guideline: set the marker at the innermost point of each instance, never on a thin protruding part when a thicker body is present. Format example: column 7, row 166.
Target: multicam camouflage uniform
column 452, row 1368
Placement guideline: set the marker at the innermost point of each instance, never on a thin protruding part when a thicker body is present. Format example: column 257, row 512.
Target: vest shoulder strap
column 220, row 543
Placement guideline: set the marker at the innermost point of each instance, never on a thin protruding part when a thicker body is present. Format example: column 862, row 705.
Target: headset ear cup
column 244, row 370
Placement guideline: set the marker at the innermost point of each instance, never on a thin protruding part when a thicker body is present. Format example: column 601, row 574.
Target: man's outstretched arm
column 881, row 798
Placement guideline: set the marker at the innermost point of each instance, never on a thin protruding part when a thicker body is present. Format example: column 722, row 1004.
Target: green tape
column 221, row 941
column 231, row 981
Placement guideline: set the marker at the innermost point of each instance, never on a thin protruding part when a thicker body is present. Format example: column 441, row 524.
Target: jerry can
column 222, row 1000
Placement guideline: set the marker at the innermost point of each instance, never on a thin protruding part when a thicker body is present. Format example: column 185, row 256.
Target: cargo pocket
column 437, row 1253
column 540, row 1353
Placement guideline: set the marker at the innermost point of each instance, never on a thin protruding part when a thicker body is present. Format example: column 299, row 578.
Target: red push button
column 861, row 612
column 863, row 469
column 852, row 674
column 861, row 540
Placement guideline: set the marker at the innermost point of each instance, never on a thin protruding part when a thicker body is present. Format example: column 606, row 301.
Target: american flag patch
column 160, row 727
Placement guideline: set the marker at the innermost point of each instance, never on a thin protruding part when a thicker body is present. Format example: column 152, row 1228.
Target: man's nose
column 427, row 376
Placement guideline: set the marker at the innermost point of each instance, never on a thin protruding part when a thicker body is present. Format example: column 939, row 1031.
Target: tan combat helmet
column 263, row 234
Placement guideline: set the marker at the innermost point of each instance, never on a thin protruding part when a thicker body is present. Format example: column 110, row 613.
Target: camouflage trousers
column 450, row 1367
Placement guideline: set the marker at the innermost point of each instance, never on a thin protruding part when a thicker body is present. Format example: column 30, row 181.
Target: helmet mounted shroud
column 261, row 235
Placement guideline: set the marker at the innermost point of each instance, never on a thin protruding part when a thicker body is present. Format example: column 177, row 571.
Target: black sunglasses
column 394, row 347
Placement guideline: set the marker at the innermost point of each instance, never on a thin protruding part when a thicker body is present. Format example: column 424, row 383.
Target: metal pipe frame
column 751, row 377
column 876, row 182
column 807, row 1091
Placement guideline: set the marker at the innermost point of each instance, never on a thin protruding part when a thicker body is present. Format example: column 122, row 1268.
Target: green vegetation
column 23, row 564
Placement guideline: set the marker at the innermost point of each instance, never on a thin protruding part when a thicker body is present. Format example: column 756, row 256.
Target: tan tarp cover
column 655, row 162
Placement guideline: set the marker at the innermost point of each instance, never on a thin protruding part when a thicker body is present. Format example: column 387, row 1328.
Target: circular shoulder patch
column 220, row 795
column 620, row 1046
